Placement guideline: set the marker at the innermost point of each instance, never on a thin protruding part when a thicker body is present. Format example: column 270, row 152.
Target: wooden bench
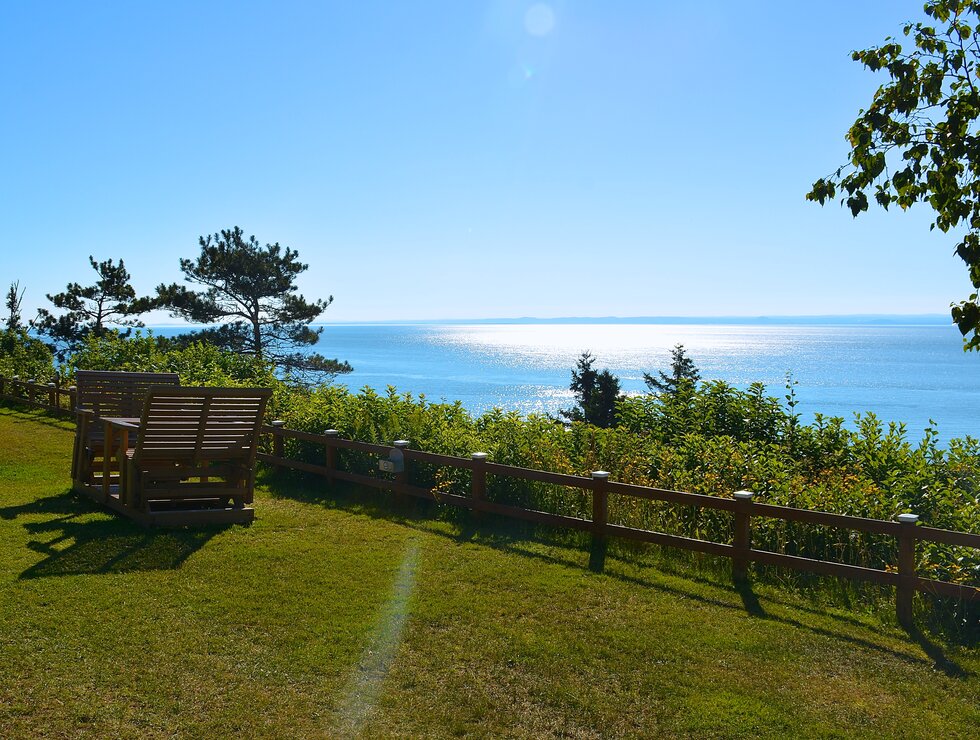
column 102, row 393
column 193, row 460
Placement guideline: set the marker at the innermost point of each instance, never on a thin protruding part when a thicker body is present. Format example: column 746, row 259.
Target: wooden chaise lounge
column 193, row 460
column 105, row 393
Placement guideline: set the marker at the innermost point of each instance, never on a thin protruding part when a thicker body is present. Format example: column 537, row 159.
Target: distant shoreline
column 817, row 320
column 856, row 319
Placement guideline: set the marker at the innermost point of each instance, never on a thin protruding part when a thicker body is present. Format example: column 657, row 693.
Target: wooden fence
column 742, row 506
column 395, row 474
column 51, row 397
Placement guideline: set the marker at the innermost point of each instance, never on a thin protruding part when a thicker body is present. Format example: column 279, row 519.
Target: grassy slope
column 323, row 619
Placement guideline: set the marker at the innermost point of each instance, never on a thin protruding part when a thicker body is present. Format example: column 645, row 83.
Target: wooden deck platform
column 170, row 513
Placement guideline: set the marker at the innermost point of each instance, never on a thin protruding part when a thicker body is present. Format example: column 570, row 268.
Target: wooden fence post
column 278, row 443
column 52, row 396
column 31, row 385
column 742, row 541
column 402, row 477
column 906, row 569
column 479, row 482
column 600, row 506
column 330, row 453
column 73, row 398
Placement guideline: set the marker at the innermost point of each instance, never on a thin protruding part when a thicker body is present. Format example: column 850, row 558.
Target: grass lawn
column 327, row 618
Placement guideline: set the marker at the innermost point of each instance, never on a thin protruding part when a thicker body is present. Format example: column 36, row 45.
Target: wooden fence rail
column 399, row 457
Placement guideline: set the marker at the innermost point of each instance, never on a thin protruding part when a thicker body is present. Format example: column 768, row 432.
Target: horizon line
column 890, row 318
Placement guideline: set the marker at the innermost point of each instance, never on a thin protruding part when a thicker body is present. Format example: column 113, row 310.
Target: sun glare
column 539, row 20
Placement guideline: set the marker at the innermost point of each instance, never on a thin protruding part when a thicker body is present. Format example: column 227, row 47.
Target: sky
column 439, row 160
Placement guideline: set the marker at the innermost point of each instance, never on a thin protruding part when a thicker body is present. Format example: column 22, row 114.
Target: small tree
column 15, row 295
column 595, row 392
column 251, row 291
column 92, row 310
column 682, row 370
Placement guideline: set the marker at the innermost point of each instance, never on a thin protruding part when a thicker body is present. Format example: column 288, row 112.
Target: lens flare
column 539, row 20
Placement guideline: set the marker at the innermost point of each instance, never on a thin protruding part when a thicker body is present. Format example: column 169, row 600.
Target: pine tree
column 250, row 291
column 596, row 393
column 682, row 370
column 15, row 295
column 92, row 310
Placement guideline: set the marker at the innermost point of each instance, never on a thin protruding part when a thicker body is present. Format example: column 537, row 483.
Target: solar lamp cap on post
column 908, row 518
column 743, row 495
column 600, row 475
column 479, row 456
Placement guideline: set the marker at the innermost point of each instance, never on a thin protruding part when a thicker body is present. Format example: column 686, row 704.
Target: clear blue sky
column 461, row 159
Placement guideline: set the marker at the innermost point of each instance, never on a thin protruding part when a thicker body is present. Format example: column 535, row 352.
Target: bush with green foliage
column 24, row 355
column 197, row 363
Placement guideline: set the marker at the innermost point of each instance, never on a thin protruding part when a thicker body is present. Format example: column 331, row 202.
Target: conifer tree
column 250, row 291
column 596, row 393
column 15, row 295
column 682, row 370
column 93, row 310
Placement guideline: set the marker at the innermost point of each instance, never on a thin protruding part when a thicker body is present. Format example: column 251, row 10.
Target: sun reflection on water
column 903, row 373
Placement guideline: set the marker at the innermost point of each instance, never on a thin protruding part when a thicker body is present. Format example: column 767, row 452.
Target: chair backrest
column 193, row 425
column 115, row 393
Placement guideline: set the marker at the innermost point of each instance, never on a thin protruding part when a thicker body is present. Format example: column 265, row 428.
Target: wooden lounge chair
column 194, row 456
column 105, row 393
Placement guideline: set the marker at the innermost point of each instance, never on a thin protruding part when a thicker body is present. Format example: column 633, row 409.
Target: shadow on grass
column 941, row 662
column 517, row 536
column 74, row 543
column 23, row 414
column 751, row 604
column 743, row 587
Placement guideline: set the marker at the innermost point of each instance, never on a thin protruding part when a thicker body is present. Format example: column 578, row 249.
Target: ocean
column 903, row 372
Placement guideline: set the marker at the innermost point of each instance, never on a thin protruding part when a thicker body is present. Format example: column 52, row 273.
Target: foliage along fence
column 396, row 462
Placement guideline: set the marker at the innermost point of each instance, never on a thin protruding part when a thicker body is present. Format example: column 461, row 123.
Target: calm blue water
column 902, row 373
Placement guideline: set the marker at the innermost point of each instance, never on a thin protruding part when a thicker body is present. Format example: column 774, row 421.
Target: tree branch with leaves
column 919, row 139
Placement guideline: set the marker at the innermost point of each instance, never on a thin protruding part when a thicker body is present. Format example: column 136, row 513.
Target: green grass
column 327, row 617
